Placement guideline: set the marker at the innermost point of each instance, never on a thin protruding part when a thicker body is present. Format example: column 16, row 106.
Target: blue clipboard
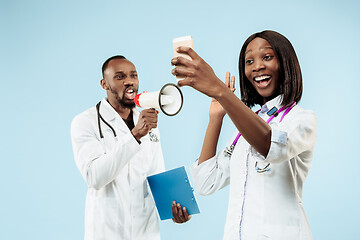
column 169, row 186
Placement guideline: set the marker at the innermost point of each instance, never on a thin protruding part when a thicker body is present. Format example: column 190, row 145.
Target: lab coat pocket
column 146, row 188
column 148, row 204
column 148, row 198
column 102, row 213
column 280, row 232
column 108, row 140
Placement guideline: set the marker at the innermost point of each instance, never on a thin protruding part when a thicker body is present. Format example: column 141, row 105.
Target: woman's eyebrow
column 266, row 48
column 260, row 49
column 248, row 51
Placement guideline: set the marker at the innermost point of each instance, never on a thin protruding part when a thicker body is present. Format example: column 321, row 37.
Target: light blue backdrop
column 51, row 53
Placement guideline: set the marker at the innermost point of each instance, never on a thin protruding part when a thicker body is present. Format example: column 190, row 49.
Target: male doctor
column 115, row 149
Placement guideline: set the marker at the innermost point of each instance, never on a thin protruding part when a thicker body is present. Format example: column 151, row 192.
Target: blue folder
column 169, row 186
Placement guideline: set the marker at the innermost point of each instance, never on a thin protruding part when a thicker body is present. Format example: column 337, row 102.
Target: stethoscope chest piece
column 153, row 137
column 229, row 151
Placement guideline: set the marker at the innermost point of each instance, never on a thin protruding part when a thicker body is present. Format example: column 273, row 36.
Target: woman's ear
column 103, row 84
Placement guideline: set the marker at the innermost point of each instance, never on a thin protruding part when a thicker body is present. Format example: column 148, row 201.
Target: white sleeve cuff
column 278, row 141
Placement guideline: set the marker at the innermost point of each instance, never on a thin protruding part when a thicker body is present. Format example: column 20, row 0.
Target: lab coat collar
column 109, row 113
column 275, row 102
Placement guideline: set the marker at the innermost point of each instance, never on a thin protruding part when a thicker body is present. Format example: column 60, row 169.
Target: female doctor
column 271, row 153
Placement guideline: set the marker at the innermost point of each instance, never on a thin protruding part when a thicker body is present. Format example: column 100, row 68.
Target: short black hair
column 106, row 63
column 290, row 78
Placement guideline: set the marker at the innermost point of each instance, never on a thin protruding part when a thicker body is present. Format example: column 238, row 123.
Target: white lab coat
column 119, row 204
column 265, row 205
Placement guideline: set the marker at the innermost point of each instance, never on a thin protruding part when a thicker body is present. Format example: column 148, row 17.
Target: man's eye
column 249, row 61
column 134, row 75
column 119, row 76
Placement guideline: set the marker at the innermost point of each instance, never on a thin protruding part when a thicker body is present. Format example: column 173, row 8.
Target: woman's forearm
column 211, row 139
column 252, row 127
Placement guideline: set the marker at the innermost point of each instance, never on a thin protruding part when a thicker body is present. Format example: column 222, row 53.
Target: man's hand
column 180, row 215
column 147, row 120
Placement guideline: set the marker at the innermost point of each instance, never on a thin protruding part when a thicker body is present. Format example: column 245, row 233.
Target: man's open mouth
column 130, row 94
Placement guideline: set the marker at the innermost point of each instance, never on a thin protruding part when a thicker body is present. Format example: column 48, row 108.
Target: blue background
column 51, row 54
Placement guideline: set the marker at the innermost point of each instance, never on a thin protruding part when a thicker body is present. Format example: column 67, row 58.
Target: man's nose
column 129, row 81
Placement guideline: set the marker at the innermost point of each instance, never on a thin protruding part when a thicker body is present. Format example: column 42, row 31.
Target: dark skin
column 180, row 214
column 260, row 63
column 121, row 84
column 200, row 76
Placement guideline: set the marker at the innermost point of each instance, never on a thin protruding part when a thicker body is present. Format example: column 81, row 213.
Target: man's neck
column 124, row 112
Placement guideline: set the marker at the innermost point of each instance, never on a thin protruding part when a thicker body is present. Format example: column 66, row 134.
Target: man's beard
column 121, row 101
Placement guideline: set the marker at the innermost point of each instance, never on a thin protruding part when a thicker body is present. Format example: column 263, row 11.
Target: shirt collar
column 275, row 102
column 109, row 113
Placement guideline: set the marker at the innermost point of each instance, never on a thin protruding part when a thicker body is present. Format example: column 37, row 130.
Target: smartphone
column 186, row 41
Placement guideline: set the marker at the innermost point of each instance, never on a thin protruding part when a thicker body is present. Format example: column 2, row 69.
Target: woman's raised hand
column 216, row 110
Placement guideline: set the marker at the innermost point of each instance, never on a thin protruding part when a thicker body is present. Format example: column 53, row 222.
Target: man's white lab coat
column 119, row 204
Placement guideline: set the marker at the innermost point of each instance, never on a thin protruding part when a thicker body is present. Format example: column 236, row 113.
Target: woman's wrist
column 216, row 119
column 221, row 92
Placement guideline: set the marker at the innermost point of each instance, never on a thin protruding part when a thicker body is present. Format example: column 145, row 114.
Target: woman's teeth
column 261, row 78
column 262, row 81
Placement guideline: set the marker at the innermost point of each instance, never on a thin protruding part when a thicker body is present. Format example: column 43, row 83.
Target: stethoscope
column 102, row 119
column 153, row 136
column 274, row 112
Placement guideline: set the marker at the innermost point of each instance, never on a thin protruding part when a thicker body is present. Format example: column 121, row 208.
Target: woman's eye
column 268, row 57
column 249, row 61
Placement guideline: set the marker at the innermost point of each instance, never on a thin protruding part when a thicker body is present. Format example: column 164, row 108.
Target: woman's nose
column 257, row 66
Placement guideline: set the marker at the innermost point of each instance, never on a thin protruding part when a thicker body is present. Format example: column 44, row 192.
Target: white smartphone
column 186, row 41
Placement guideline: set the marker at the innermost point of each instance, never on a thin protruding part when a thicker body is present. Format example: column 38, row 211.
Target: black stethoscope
column 102, row 119
column 153, row 136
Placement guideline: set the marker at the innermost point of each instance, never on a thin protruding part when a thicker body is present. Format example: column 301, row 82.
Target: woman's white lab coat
column 265, row 205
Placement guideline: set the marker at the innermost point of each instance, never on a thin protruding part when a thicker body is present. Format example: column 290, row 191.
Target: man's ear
column 104, row 84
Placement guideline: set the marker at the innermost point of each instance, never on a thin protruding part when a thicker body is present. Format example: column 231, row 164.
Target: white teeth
column 130, row 91
column 261, row 78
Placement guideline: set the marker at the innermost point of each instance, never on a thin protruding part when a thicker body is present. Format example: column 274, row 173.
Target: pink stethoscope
column 274, row 112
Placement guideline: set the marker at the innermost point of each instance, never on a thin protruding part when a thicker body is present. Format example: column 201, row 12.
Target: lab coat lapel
column 136, row 114
column 107, row 111
column 276, row 102
column 114, row 119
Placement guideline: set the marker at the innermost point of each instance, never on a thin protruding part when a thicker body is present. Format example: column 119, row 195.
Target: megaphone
column 169, row 99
